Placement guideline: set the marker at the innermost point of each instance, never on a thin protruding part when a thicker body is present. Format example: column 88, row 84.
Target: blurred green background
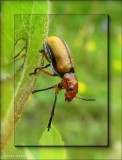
column 78, row 122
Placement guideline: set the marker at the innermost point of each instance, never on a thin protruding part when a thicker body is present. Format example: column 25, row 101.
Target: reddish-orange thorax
column 70, row 84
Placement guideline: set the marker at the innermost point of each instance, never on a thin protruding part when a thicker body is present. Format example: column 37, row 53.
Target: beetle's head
column 70, row 84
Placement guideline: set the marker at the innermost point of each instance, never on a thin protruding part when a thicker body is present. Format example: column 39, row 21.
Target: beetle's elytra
column 58, row 54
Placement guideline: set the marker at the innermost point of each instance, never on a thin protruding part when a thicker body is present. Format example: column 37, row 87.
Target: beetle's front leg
column 58, row 88
column 39, row 68
column 52, row 112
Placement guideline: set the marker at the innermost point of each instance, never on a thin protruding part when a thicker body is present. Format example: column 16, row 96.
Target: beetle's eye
column 71, row 88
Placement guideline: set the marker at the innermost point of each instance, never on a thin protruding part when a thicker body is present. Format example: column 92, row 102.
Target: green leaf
column 51, row 137
column 48, row 138
column 53, row 153
column 23, row 23
column 32, row 29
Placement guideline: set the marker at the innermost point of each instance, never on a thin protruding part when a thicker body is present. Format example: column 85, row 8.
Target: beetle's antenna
column 52, row 112
column 86, row 99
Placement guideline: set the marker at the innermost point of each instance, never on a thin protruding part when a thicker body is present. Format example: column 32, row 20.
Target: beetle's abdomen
column 59, row 54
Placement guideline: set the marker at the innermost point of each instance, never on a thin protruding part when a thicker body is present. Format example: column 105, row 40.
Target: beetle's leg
column 42, row 51
column 39, row 68
column 52, row 112
column 48, row 73
column 45, row 55
column 39, row 90
column 58, row 88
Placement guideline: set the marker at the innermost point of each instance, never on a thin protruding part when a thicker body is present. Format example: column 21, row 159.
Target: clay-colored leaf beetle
column 57, row 53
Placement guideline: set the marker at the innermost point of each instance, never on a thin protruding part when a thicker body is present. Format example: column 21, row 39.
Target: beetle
column 58, row 54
